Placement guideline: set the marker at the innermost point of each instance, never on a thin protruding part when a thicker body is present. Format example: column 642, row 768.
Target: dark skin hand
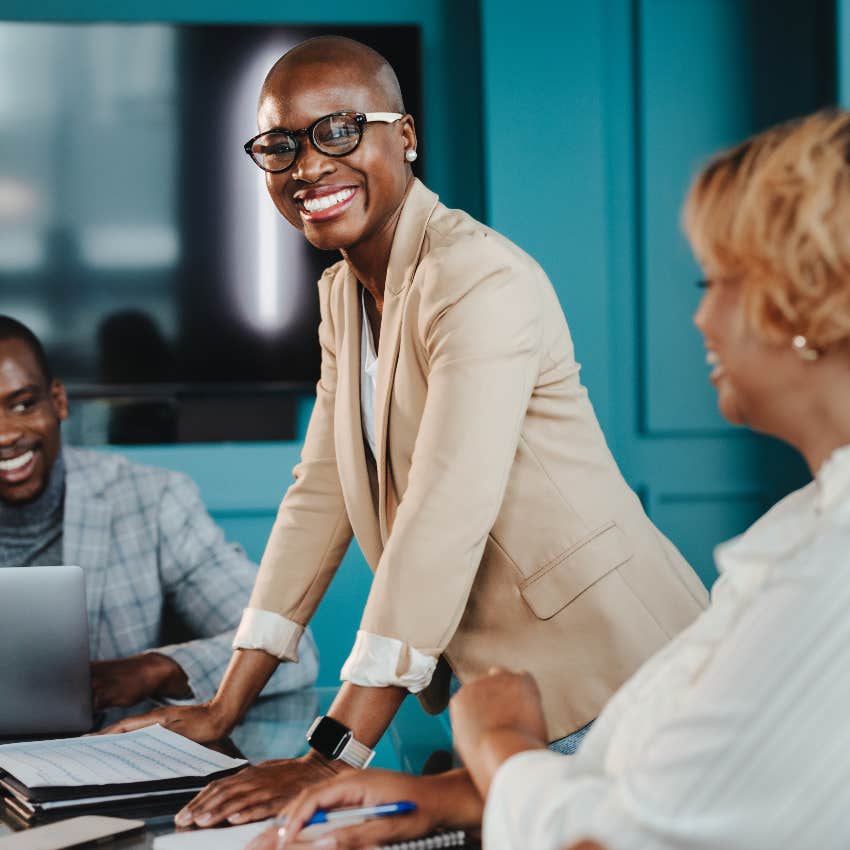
column 127, row 681
column 493, row 718
column 208, row 722
column 260, row 792
column 448, row 801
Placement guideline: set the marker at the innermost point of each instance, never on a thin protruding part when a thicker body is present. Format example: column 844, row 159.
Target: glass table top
column 275, row 727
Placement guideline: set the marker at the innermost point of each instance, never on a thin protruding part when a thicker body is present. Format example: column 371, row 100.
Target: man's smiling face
column 31, row 410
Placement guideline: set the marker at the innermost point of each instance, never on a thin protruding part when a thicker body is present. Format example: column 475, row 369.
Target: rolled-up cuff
column 270, row 632
column 379, row 662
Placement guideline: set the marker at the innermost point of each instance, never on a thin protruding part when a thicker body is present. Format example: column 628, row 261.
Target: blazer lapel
column 85, row 543
column 404, row 258
column 348, row 441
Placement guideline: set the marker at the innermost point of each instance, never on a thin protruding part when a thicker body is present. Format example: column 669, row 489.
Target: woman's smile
column 324, row 203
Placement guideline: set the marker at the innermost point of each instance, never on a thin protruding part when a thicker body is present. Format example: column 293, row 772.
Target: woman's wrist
column 333, row 766
column 496, row 746
column 225, row 712
column 456, row 799
column 245, row 677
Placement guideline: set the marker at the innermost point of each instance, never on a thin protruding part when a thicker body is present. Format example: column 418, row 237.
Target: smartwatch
column 334, row 740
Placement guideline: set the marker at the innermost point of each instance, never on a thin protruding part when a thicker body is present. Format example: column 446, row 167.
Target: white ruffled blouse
column 736, row 734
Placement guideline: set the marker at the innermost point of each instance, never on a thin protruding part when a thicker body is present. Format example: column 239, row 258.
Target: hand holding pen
column 322, row 821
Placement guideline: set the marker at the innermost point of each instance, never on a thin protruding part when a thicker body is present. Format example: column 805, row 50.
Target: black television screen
column 136, row 238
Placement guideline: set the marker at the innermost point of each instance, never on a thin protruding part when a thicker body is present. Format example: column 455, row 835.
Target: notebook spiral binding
column 431, row 842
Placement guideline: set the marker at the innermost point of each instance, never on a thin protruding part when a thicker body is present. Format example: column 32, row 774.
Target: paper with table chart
column 144, row 755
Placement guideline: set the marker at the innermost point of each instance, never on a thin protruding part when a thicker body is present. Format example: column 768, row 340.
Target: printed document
column 145, row 755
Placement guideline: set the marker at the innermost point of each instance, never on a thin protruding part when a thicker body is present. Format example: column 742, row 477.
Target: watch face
column 328, row 737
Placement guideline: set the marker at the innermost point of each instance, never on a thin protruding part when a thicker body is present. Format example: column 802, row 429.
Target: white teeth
column 16, row 462
column 326, row 201
column 711, row 358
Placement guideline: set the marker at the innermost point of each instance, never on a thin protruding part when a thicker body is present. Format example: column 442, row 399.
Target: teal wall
column 595, row 117
column 842, row 31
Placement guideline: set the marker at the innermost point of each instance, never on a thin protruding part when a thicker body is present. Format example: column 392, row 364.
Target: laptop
column 45, row 684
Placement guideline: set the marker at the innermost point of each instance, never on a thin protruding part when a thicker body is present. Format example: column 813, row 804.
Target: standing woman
column 451, row 435
column 735, row 735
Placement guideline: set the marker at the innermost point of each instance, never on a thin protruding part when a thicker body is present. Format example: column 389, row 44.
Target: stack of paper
column 150, row 767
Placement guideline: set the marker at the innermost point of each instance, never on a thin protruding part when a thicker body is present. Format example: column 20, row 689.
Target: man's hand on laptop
column 127, row 681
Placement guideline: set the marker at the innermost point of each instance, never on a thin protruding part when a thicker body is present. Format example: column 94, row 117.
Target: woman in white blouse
column 736, row 734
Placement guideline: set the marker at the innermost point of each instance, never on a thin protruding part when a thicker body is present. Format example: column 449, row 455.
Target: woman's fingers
column 261, row 789
column 333, row 794
column 225, row 801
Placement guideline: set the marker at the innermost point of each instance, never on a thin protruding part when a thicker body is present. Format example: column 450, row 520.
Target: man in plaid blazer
column 150, row 551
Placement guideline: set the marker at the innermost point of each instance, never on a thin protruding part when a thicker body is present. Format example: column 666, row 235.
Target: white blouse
column 374, row 659
column 737, row 733
column 368, row 375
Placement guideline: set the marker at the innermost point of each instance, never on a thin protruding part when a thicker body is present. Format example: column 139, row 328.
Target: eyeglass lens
column 335, row 135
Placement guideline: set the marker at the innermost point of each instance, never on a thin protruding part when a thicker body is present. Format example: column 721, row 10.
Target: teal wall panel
column 634, row 95
column 674, row 141
column 543, row 83
column 710, row 73
column 842, row 47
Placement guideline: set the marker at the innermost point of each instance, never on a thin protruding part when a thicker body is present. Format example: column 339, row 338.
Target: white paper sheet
column 148, row 754
column 226, row 838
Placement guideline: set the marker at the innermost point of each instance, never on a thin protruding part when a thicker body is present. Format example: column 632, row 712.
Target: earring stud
column 411, row 155
column 801, row 345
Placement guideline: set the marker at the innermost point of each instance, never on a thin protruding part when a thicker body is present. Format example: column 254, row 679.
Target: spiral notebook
column 456, row 838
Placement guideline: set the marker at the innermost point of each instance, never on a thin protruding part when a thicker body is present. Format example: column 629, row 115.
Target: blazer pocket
column 557, row 584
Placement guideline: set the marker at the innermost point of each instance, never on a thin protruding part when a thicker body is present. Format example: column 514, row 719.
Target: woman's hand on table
column 447, row 800
column 256, row 792
column 493, row 718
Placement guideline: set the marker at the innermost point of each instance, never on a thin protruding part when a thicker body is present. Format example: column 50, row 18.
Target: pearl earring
column 411, row 155
column 801, row 345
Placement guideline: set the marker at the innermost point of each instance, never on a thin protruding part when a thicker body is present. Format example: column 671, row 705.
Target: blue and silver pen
column 338, row 817
column 324, row 821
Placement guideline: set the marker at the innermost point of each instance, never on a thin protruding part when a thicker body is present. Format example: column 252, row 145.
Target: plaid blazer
column 146, row 543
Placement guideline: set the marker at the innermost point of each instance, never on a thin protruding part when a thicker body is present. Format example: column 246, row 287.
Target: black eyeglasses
column 337, row 134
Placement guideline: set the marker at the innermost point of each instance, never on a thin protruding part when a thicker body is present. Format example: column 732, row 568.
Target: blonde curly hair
column 774, row 213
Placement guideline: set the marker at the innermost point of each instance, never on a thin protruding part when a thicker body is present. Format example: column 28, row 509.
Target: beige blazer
column 495, row 519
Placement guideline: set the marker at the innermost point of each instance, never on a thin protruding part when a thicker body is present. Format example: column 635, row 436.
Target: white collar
column 793, row 521
column 833, row 480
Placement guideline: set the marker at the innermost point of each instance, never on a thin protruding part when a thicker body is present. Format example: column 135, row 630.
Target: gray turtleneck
column 31, row 534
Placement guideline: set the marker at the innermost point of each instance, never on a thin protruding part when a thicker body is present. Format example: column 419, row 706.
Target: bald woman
column 451, row 435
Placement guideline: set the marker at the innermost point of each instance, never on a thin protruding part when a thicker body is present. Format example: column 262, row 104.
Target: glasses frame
column 361, row 119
